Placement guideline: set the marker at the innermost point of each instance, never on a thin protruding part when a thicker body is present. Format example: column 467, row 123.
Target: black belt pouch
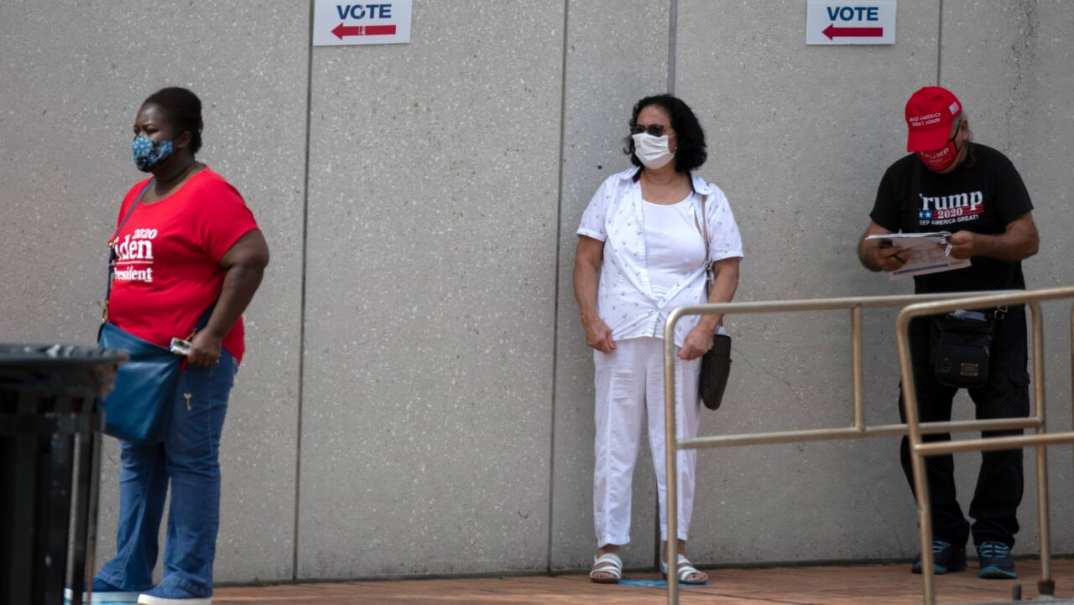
column 961, row 345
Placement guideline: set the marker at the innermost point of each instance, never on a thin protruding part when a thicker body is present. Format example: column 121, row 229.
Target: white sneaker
column 101, row 598
column 150, row 600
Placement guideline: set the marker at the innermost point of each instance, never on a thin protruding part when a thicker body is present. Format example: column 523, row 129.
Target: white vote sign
column 834, row 22
column 343, row 23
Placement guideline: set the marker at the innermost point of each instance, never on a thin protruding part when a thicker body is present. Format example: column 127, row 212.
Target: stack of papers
column 924, row 253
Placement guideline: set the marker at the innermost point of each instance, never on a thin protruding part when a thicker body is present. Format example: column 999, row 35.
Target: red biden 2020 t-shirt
column 168, row 269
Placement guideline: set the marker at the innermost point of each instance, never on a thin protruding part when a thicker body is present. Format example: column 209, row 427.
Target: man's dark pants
column 999, row 482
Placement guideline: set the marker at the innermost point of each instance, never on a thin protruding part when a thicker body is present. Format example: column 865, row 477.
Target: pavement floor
column 888, row 584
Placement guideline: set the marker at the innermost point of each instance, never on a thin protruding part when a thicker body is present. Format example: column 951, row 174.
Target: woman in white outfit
column 642, row 253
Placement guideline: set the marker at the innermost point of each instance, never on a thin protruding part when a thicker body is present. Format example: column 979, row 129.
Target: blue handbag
column 139, row 406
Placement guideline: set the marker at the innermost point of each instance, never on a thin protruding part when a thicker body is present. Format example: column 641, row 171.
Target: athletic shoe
column 946, row 557
column 996, row 561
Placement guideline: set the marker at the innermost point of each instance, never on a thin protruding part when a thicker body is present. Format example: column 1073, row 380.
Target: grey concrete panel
column 798, row 139
column 1009, row 63
column 73, row 76
column 614, row 58
column 435, row 439
column 431, row 290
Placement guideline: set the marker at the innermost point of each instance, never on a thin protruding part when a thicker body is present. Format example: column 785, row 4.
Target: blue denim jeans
column 188, row 459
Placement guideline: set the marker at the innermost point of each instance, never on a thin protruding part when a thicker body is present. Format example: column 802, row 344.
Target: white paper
column 924, row 253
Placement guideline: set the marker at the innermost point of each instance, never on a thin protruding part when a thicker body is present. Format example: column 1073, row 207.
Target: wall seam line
column 555, row 300
column 939, row 46
column 673, row 41
column 302, row 298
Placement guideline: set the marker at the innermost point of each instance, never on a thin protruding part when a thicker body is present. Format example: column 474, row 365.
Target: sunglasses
column 656, row 130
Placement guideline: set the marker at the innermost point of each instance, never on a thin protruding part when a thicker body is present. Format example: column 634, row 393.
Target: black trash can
column 50, row 423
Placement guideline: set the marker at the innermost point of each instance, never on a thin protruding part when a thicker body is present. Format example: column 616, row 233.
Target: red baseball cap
column 929, row 115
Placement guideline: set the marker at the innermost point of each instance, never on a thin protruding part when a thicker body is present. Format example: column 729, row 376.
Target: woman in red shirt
column 186, row 248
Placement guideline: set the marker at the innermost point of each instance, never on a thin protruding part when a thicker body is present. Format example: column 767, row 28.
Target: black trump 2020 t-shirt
column 983, row 195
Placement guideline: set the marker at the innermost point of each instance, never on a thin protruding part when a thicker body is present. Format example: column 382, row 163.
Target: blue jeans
column 189, row 459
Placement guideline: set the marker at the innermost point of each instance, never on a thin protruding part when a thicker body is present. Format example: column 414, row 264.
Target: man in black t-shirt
column 949, row 183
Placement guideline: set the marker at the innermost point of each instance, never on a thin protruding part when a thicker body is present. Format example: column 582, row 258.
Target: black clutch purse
column 715, row 368
column 716, row 363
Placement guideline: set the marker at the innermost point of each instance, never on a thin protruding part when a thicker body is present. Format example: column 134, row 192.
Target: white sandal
column 685, row 571
column 607, row 569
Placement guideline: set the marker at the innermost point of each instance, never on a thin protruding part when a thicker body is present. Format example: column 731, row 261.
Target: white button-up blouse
column 625, row 299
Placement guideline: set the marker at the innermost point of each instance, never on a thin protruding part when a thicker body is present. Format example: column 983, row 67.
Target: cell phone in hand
column 180, row 347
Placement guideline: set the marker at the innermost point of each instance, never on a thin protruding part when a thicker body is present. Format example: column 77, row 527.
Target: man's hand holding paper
column 963, row 244
column 888, row 257
column 909, row 254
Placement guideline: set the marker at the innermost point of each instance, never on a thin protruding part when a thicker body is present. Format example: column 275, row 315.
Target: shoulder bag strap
column 710, row 279
column 130, row 212
column 703, row 227
column 112, row 256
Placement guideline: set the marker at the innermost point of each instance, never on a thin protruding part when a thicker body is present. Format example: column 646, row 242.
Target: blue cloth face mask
column 148, row 153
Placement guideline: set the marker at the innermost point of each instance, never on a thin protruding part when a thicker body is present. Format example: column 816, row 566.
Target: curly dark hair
column 183, row 109
column 691, row 152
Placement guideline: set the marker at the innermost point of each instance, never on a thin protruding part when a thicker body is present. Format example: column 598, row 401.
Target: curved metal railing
column 915, row 306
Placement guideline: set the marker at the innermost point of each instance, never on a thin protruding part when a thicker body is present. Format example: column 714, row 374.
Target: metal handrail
column 919, row 450
column 858, row 428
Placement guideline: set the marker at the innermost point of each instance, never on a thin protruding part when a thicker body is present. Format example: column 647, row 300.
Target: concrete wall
column 799, row 137
column 618, row 69
column 426, row 423
column 71, row 79
column 417, row 398
column 1011, row 62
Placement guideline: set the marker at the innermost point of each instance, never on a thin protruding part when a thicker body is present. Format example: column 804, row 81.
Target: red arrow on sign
column 853, row 32
column 341, row 31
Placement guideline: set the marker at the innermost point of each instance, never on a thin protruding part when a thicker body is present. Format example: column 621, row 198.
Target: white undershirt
column 674, row 247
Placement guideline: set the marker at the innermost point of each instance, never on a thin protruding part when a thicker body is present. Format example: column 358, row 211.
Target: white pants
column 630, row 387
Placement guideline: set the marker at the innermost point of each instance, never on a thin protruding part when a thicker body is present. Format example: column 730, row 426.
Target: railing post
column 917, row 460
column 857, row 368
column 671, row 479
column 1045, row 586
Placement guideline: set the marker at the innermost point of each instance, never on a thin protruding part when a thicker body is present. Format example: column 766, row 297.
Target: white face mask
column 652, row 151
